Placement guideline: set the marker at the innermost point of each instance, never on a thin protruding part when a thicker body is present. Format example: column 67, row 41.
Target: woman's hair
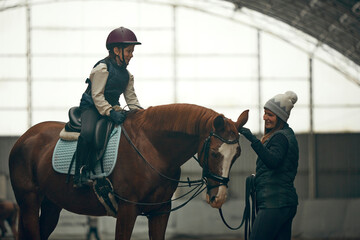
column 268, row 132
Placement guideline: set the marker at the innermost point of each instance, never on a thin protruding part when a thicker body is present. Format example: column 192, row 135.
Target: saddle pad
column 64, row 151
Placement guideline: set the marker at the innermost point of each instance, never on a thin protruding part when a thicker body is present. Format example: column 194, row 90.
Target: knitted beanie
column 282, row 104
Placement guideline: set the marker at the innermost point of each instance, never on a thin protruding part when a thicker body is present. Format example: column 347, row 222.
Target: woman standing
column 108, row 79
column 276, row 168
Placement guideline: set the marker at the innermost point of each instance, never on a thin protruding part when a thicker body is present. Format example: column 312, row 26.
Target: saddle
column 74, row 124
column 103, row 131
column 104, row 127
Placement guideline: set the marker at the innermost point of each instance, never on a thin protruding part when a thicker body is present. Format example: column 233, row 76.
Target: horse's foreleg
column 158, row 224
column 49, row 218
column 12, row 223
column 2, row 227
column 12, row 220
column 125, row 222
column 13, row 229
column 29, row 216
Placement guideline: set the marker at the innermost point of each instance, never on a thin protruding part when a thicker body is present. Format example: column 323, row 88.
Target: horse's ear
column 243, row 118
column 219, row 123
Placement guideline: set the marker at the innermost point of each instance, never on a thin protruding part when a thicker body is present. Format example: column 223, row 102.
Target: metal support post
column 28, row 63
column 311, row 140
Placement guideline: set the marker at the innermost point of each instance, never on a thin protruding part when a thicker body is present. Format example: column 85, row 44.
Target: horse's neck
column 177, row 131
column 179, row 118
column 174, row 148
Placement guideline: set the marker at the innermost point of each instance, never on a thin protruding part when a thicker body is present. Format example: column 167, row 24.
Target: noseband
column 206, row 174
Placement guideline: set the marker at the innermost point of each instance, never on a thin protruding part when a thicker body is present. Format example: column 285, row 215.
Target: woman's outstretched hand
column 248, row 134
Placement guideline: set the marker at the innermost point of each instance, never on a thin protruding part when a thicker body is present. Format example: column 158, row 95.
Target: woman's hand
column 248, row 134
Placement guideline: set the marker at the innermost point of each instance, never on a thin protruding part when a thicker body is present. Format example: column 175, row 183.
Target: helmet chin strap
column 123, row 62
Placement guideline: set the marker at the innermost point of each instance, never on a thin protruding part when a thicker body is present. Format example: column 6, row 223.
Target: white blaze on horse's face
column 228, row 151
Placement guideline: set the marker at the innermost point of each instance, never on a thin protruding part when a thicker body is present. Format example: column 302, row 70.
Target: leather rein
column 199, row 184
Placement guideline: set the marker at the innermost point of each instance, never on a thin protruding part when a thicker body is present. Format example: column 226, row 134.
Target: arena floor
column 183, row 237
column 234, row 238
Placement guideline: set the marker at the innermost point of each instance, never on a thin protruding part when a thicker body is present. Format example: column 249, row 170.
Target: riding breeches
column 89, row 118
column 273, row 223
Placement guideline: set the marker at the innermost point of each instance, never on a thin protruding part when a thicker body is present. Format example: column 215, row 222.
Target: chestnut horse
column 167, row 136
column 8, row 213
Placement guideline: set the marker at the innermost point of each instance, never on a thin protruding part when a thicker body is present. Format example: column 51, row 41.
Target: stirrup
column 82, row 180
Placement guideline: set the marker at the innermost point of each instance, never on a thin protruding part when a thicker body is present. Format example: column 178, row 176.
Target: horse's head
column 218, row 153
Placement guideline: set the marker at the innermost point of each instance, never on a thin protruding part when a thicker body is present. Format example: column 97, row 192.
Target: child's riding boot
column 82, row 174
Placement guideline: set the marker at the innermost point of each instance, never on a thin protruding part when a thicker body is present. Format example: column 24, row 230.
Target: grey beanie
column 282, row 104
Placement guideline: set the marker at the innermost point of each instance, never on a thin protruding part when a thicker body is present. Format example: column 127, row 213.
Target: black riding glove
column 117, row 117
column 248, row 134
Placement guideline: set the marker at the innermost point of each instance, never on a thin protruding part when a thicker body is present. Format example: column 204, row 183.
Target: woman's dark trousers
column 273, row 224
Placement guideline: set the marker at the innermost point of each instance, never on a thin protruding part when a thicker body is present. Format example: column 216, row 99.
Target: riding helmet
column 121, row 35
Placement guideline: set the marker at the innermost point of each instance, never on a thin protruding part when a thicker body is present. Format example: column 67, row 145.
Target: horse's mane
column 185, row 118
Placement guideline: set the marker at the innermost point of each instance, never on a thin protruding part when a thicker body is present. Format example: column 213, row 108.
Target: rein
column 248, row 218
column 199, row 184
column 199, row 190
column 152, row 167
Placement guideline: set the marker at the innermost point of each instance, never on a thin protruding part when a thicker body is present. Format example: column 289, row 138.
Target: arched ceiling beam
column 343, row 30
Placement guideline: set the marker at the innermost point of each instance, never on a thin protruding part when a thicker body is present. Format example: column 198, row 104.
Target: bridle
column 249, row 210
column 206, row 173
